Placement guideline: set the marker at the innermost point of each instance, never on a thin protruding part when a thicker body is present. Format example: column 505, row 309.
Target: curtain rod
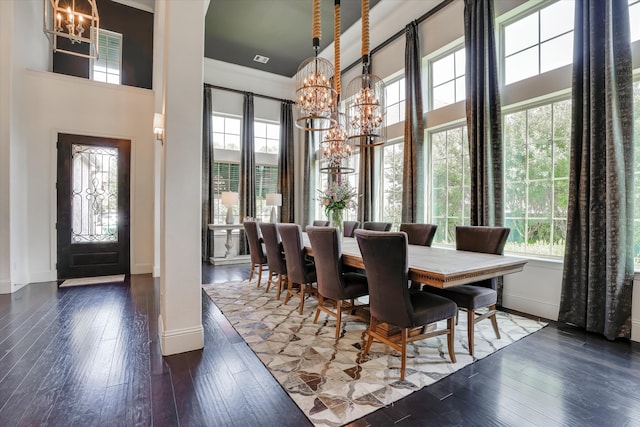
column 400, row 33
column 244, row 91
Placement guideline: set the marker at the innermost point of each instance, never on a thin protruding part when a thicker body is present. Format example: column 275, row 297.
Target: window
column 537, row 145
column 636, row 139
column 266, row 137
column 266, row 182
column 450, row 178
column 395, row 101
column 323, row 182
column 447, row 79
column 538, row 42
column 634, row 18
column 225, row 177
column 226, row 132
column 106, row 68
column 392, row 166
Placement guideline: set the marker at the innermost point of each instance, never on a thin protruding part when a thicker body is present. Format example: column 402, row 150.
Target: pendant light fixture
column 315, row 94
column 365, row 95
column 77, row 24
column 335, row 145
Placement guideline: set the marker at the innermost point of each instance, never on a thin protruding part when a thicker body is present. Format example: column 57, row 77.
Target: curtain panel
column 598, row 263
column 413, row 173
column 286, row 163
column 483, row 114
column 207, row 168
column 247, row 169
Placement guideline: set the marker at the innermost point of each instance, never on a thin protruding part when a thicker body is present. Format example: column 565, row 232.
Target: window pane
column 232, row 125
column 260, row 129
column 218, row 123
column 393, row 114
column 232, row 142
column 444, row 95
column 634, row 18
column 393, row 93
column 521, row 65
column 273, row 131
column 521, row 34
column 443, row 70
column 556, row 19
column 460, row 62
column 460, row 89
column 556, row 53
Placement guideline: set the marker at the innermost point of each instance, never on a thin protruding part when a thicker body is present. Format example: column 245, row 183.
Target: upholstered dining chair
column 350, row 227
column 275, row 256
column 385, row 260
column 258, row 258
column 301, row 274
column 333, row 282
column 419, row 234
column 490, row 240
column 376, row 226
column 320, row 223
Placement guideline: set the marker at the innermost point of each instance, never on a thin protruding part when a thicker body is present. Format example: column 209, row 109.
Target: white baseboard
column 180, row 340
column 142, row 268
column 43, row 276
column 531, row 306
column 156, row 271
column 635, row 330
column 5, row 287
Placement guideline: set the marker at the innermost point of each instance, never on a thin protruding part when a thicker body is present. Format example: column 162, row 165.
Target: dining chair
column 471, row 297
column 333, row 282
column 320, row 223
column 419, row 234
column 385, row 260
column 258, row 258
column 376, row 226
column 349, row 227
column 275, row 256
column 300, row 272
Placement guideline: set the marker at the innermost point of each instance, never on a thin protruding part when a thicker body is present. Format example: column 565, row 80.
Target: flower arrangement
column 335, row 199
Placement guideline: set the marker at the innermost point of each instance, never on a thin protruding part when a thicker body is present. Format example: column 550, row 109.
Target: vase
column 336, row 220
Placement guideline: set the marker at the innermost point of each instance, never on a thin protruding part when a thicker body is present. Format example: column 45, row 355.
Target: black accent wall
column 136, row 27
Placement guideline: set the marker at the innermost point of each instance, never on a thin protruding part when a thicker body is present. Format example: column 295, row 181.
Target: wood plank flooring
column 90, row 356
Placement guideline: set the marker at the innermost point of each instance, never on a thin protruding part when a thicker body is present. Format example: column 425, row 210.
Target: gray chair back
column 255, row 247
column 327, row 256
column 419, row 234
column 350, row 227
column 488, row 240
column 376, row 226
column 320, row 223
column 385, row 262
column 275, row 254
column 297, row 269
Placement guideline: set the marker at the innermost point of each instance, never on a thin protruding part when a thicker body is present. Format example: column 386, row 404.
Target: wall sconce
column 273, row 200
column 158, row 127
column 229, row 199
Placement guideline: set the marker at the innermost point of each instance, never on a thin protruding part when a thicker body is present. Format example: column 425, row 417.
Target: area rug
column 332, row 382
column 83, row 281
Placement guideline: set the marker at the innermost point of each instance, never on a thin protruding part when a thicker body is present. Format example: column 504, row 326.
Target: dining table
column 439, row 267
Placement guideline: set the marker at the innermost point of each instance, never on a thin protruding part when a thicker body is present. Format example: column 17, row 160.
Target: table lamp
column 229, row 199
column 273, row 200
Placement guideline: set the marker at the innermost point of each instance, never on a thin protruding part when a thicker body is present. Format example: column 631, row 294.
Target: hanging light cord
column 365, row 28
column 316, row 31
column 336, row 45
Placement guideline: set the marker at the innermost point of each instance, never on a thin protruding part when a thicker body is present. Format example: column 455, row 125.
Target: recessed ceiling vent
column 261, row 59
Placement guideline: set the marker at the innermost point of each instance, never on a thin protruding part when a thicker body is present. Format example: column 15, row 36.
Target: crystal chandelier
column 365, row 95
column 71, row 23
column 315, row 94
column 335, row 146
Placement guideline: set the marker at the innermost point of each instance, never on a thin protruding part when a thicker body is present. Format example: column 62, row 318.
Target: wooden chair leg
column 494, row 321
column 303, row 286
column 320, row 299
column 403, row 364
column 372, row 327
column 338, row 317
column 253, row 267
column 289, row 291
column 269, row 281
column 281, row 279
column 471, row 317
column 451, row 339
column 259, row 274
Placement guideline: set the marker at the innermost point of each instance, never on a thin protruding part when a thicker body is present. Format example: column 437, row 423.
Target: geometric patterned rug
column 332, row 382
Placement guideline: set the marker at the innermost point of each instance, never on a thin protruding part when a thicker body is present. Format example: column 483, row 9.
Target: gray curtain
column 286, row 163
column 598, row 263
column 483, row 114
column 207, row 168
column 366, row 184
column 306, row 195
column 247, row 169
column 413, row 172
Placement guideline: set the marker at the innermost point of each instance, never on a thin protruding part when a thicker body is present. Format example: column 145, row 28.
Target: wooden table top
column 442, row 268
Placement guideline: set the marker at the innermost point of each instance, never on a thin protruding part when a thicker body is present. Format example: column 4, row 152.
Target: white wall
column 98, row 109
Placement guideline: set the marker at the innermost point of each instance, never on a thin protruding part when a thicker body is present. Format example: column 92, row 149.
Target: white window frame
column 92, row 64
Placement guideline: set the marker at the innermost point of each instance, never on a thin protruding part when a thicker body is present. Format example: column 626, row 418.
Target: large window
column 393, row 166
column 226, row 132
column 395, row 101
column 450, row 182
column 106, row 68
column 636, row 138
column 538, row 42
column 634, row 18
column 536, row 144
column 224, row 177
column 266, row 182
column 266, row 137
column 447, row 79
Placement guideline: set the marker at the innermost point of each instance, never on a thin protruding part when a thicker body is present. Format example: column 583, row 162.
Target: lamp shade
column 274, row 199
column 229, row 198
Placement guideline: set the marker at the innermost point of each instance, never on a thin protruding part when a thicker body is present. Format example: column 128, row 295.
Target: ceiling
column 238, row 30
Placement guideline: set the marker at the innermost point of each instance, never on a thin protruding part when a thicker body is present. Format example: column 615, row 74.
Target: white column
column 180, row 320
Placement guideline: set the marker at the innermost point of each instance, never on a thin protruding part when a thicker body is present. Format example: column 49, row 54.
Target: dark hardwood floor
column 90, row 356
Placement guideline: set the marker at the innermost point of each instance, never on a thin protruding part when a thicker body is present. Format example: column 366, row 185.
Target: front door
column 93, row 206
